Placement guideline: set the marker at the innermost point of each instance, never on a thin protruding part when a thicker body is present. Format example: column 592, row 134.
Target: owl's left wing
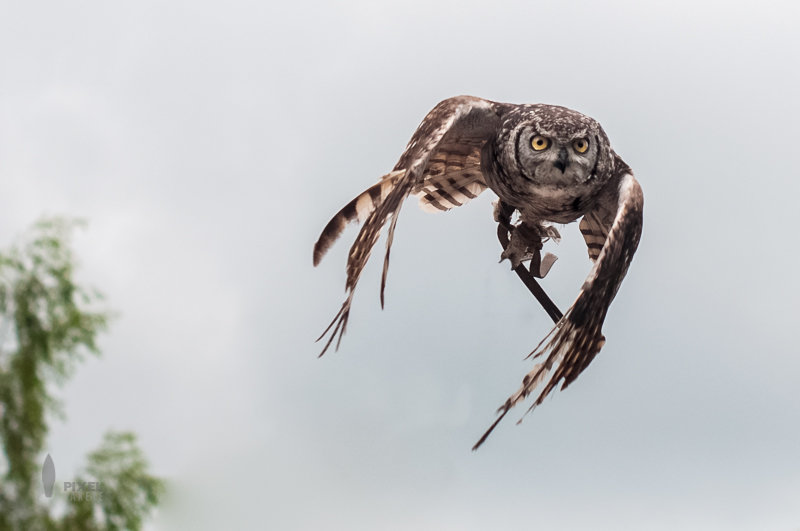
column 463, row 121
column 577, row 337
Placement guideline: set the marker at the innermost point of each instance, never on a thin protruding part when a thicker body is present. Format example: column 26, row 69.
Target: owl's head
column 552, row 145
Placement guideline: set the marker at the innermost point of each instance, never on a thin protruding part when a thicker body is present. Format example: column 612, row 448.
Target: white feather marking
column 364, row 207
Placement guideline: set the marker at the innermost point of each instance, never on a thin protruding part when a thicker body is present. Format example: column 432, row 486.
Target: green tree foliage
column 48, row 324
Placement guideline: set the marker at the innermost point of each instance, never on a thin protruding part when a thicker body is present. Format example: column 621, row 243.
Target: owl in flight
column 548, row 163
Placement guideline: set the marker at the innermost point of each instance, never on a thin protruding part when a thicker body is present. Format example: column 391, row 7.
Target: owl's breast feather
column 559, row 204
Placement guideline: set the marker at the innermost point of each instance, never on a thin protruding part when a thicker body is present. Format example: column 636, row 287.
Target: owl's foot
column 526, row 244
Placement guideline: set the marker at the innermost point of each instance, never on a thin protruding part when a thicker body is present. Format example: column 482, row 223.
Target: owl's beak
column 561, row 162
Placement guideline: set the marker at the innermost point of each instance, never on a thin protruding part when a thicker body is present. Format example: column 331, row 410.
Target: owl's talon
column 551, row 232
column 525, row 243
column 513, row 256
column 517, row 250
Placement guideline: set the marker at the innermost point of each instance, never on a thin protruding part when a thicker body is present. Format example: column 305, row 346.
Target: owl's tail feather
column 356, row 210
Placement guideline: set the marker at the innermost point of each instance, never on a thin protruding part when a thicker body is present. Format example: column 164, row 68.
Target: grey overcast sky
column 207, row 144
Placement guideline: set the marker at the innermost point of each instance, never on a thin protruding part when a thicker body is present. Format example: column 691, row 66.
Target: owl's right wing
column 441, row 164
column 452, row 178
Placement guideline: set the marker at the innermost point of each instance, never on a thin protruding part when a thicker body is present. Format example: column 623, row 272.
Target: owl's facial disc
column 552, row 156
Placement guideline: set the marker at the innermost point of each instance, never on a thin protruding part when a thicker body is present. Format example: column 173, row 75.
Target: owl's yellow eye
column 540, row 143
column 580, row 145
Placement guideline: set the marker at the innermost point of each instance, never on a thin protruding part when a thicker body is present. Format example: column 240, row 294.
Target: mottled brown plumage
column 550, row 163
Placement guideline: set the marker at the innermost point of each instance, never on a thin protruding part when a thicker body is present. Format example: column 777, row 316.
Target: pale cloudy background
column 208, row 143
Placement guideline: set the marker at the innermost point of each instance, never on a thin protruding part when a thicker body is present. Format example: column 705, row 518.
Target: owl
column 550, row 165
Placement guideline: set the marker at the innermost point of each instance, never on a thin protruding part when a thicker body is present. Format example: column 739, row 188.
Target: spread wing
column 441, row 164
column 453, row 177
column 577, row 337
